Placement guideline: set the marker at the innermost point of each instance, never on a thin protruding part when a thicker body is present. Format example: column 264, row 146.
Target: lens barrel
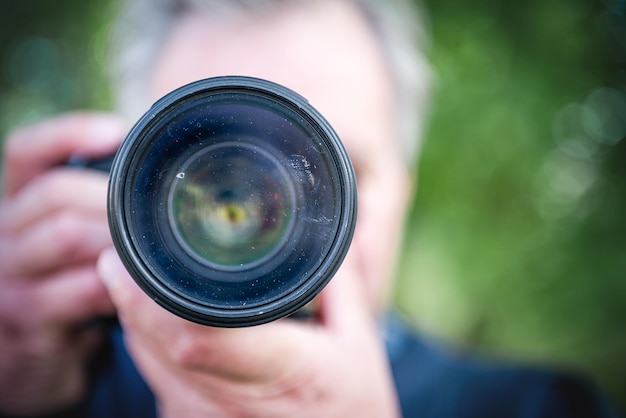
column 232, row 202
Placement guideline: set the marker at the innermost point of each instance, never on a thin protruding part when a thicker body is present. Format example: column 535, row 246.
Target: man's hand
column 332, row 368
column 52, row 228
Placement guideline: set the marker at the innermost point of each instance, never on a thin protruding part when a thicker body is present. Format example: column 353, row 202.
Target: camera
column 232, row 201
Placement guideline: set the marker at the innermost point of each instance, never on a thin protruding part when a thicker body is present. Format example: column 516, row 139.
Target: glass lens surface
column 232, row 205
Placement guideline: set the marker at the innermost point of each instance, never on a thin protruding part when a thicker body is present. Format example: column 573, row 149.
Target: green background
column 515, row 245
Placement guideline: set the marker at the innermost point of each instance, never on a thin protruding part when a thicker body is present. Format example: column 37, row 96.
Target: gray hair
column 143, row 25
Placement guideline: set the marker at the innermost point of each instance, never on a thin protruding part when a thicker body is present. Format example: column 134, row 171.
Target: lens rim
column 152, row 282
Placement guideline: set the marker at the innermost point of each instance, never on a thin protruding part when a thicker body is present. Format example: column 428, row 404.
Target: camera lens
column 232, row 202
column 232, row 205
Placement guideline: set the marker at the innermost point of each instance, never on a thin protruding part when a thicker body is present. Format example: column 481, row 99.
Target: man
column 346, row 57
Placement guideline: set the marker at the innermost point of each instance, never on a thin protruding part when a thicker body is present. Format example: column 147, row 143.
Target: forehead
column 323, row 50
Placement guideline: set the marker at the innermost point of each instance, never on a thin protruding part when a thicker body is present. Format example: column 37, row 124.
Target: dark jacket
column 431, row 382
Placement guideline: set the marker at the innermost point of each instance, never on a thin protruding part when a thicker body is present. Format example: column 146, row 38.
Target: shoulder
column 433, row 381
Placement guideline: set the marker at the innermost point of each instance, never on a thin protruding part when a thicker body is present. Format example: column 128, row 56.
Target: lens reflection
column 232, row 205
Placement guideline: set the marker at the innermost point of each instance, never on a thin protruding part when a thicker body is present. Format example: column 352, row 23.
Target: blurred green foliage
column 515, row 243
column 52, row 58
column 517, row 238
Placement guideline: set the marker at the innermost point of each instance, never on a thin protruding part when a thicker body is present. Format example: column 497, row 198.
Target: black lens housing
column 229, row 138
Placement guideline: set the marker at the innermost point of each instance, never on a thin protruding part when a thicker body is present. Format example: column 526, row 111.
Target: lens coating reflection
column 232, row 205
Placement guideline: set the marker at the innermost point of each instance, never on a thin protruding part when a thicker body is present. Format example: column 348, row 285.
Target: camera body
column 232, row 201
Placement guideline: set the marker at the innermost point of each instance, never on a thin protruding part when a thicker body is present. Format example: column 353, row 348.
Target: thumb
column 124, row 292
column 110, row 268
column 136, row 310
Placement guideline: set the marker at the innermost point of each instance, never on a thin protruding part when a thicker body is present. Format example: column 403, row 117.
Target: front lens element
column 232, row 205
column 232, row 202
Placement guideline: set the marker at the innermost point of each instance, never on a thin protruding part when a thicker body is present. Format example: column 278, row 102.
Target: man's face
column 326, row 52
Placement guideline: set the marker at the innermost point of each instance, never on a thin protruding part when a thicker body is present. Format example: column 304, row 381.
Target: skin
column 335, row 367
column 59, row 215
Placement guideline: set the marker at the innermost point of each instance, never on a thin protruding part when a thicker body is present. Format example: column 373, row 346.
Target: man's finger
column 343, row 303
column 58, row 240
column 250, row 354
column 66, row 298
column 58, row 190
column 31, row 150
